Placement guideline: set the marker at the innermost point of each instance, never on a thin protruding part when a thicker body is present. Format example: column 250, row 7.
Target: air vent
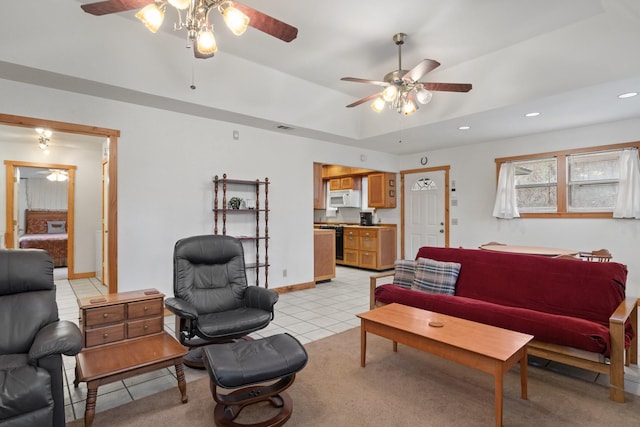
column 284, row 127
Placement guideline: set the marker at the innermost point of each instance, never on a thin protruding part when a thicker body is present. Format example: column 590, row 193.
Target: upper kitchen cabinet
column 345, row 183
column 382, row 190
column 319, row 195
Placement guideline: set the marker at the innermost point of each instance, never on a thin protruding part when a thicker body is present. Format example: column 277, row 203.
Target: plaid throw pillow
column 404, row 272
column 436, row 277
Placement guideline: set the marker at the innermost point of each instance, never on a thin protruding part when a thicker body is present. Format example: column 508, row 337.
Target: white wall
column 166, row 162
column 474, row 170
column 87, row 192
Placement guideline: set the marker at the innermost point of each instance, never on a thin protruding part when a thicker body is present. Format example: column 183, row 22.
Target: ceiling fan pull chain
column 193, row 76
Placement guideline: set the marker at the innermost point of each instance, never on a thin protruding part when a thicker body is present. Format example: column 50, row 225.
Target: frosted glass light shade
column 423, row 96
column 180, row 4
column 235, row 20
column 390, row 93
column 151, row 16
column 206, row 42
column 378, row 105
column 408, row 108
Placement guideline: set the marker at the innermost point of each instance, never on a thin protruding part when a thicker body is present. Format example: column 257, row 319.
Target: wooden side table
column 122, row 340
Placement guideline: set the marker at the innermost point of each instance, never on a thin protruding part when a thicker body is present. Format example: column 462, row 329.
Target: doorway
column 110, row 203
column 424, row 209
column 15, row 208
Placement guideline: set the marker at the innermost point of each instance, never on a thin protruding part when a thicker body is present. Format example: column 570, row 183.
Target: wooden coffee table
column 486, row 348
column 102, row 365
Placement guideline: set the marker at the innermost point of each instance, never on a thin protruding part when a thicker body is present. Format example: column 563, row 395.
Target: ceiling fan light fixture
column 390, row 93
column 409, row 108
column 206, row 42
column 378, row 104
column 58, row 176
column 151, row 16
column 234, row 19
column 180, row 4
column 423, row 95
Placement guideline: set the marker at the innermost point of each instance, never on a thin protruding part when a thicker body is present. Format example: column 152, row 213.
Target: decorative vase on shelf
column 235, row 202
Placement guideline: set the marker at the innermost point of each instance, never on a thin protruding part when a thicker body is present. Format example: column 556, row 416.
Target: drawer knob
column 145, row 327
column 105, row 315
column 146, row 308
column 105, row 335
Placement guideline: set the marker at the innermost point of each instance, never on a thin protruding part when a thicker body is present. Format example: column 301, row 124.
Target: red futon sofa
column 576, row 310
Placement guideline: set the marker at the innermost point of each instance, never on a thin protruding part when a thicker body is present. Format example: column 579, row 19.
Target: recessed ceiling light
column 532, row 114
column 627, row 95
column 464, row 127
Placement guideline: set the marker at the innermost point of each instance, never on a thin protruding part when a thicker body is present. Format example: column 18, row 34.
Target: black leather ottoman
column 248, row 364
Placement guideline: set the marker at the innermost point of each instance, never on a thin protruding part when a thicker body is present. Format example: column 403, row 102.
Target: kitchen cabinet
column 345, row 183
column 373, row 248
column 382, row 190
column 319, row 193
column 335, row 171
column 324, row 254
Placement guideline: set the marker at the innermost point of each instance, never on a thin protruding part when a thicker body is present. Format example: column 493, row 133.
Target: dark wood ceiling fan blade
column 113, row 6
column 363, row 100
column 268, row 24
column 357, row 80
column 448, row 87
column 198, row 54
column 425, row 66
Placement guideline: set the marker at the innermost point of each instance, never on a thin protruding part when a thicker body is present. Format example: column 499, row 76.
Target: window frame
column 562, row 184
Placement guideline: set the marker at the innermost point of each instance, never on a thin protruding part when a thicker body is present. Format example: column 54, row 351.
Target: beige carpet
column 408, row 388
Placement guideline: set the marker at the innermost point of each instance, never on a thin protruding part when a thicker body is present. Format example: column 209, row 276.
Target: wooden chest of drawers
column 117, row 317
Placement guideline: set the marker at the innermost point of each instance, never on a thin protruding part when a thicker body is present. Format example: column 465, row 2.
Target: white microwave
column 344, row 198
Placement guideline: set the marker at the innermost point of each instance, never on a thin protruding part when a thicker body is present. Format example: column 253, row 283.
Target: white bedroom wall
column 474, row 170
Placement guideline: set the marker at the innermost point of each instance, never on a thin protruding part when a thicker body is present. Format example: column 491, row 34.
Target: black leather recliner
column 212, row 301
column 32, row 341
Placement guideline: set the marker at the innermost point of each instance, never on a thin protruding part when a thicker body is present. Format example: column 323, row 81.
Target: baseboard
column 82, row 275
column 293, row 288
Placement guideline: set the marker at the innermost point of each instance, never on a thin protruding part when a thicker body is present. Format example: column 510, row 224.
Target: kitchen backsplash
column 343, row 215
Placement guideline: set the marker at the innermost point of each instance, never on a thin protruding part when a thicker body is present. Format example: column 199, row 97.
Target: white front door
column 424, row 210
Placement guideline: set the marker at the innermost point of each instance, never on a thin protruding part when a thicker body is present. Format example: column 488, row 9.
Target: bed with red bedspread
column 46, row 230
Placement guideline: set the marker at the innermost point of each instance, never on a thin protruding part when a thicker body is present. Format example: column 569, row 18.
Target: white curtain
column 506, row 206
column 43, row 194
column 628, row 202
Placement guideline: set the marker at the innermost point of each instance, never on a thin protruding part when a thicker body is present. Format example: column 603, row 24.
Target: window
column 592, row 181
column 575, row 183
column 537, row 185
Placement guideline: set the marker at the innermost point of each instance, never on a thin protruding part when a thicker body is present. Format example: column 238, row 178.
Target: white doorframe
column 403, row 207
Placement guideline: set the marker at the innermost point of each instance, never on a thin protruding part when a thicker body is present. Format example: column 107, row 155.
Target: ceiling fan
column 56, row 174
column 196, row 19
column 402, row 88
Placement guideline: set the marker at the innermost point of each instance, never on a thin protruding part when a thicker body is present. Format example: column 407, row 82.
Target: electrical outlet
column 284, row 273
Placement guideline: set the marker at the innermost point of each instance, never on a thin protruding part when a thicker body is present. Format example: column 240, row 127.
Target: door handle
column 442, row 230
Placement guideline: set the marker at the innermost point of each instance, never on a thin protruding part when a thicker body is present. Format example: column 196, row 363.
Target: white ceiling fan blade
column 424, row 67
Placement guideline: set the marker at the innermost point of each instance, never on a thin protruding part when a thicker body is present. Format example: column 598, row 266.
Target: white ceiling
column 567, row 59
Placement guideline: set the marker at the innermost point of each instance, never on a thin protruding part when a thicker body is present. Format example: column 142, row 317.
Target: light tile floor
column 308, row 315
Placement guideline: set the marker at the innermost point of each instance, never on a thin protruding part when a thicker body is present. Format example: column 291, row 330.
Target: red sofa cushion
column 550, row 328
column 566, row 287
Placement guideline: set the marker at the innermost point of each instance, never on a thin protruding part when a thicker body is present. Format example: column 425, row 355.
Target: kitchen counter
column 372, row 246
column 318, row 224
